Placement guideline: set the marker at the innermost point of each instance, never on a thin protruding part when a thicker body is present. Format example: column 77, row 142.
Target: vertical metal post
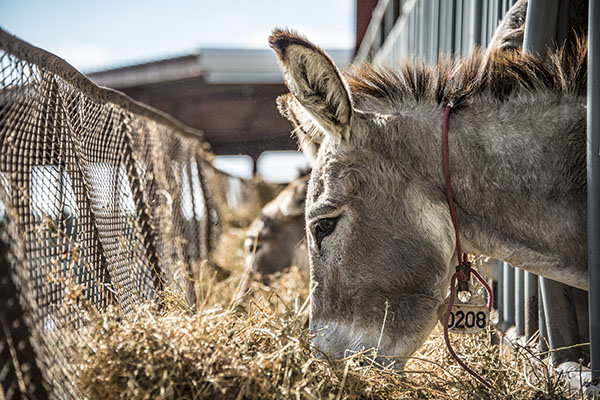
column 450, row 43
column 483, row 17
column 520, row 301
column 541, row 30
column 531, row 304
column 561, row 320
column 442, row 31
column 508, row 296
column 466, row 27
column 540, row 25
column 500, row 293
column 542, row 317
column 593, row 185
column 495, row 17
column 435, row 26
column 423, row 29
column 458, row 21
column 475, row 24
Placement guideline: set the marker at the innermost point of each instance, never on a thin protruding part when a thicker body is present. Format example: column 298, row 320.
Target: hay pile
column 258, row 348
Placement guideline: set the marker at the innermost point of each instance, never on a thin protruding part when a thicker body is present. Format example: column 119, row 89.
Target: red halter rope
column 463, row 270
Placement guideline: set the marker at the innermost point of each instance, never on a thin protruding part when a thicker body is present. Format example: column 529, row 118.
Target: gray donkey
column 275, row 240
column 380, row 237
column 279, row 230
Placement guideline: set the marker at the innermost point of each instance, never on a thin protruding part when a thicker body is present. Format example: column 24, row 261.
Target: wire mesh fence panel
column 104, row 202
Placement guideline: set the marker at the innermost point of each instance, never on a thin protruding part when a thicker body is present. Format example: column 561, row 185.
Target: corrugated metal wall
column 422, row 29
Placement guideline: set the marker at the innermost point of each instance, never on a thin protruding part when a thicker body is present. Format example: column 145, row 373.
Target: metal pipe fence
column 426, row 28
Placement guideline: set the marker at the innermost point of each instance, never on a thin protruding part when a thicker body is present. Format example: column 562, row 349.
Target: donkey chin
column 339, row 340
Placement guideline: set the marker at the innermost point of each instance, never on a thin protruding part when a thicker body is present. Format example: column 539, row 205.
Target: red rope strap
column 463, row 270
column 459, row 252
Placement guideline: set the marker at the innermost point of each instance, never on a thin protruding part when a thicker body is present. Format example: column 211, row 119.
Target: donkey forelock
column 500, row 74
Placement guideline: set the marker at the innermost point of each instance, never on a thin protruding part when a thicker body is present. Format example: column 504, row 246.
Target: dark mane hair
column 501, row 74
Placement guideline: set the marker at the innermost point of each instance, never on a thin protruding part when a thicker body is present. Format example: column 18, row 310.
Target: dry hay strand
column 259, row 348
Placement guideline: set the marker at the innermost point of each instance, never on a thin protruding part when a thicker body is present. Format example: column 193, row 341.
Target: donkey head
column 379, row 239
column 274, row 240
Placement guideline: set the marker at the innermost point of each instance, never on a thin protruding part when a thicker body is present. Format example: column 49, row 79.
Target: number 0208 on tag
column 468, row 318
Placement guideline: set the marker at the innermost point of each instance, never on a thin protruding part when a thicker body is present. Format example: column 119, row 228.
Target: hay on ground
column 259, row 348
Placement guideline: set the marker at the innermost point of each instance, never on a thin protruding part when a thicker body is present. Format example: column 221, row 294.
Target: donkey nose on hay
column 329, row 343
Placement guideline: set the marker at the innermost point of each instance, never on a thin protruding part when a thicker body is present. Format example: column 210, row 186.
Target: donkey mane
column 503, row 74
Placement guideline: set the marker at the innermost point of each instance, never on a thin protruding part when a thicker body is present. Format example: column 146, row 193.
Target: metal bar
column 452, row 29
column 541, row 25
column 415, row 30
column 561, row 321
column 488, row 18
column 531, row 304
column 388, row 18
column 466, row 27
column 458, row 15
column 593, row 186
column 421, row 12
column 499, row 293
column 435, row 26
column 563, row 24
column 499, row 13
column 508, row 296
column 493, row 17
column 541, row 30
column 520, row 301
column 425, row 30
column 542, row 319
column 409, row 37
column 475, row 23
column 484, row 24
column 442, row 32
column 403, row 52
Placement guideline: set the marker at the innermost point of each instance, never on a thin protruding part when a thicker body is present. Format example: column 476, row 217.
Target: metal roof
column 217, row 66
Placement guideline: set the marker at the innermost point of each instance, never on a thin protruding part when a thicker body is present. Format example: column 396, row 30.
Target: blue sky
column 93, row 35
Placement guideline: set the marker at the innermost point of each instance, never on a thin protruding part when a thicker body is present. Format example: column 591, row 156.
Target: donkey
column 278, row 230
column 380, row 238
column 275, row 240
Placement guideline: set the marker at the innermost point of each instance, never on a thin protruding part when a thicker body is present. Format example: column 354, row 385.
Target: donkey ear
column 315, row 82
column 308, row 132
column 293, row 205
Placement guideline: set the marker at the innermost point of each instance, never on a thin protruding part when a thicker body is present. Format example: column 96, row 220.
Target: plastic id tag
column 469, row 315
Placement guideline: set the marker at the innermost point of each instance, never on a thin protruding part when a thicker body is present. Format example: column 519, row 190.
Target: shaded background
column 206, row 63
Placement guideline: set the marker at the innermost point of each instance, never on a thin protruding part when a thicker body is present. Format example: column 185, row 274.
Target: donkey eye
column 323, row 228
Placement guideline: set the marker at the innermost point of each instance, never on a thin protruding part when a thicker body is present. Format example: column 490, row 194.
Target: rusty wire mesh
column 104, row 201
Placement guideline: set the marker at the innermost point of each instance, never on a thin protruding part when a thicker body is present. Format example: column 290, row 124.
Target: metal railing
column 426, row 28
